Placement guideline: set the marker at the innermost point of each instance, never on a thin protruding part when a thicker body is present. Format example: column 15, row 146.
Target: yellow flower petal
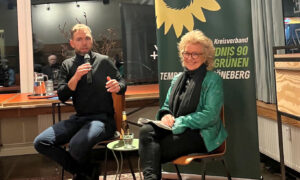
column 182, row 17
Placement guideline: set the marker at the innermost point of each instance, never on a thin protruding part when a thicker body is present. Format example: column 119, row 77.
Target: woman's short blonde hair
column 77, row 27
column 198, row 37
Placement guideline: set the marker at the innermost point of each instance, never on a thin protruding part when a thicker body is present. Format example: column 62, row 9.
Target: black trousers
column 159, row 146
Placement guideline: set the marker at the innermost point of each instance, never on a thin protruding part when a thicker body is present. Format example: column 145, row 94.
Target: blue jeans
column 82, row 133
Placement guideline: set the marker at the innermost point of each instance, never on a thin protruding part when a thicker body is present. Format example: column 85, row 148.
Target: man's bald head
column 52, row 59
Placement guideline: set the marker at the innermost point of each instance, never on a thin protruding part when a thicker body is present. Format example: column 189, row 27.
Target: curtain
column 139, row 43
column 268, row 31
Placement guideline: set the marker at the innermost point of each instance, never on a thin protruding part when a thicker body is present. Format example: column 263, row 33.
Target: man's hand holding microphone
column 81, row 71
column 84, row 69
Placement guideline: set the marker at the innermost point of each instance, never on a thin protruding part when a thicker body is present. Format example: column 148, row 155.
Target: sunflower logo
column 180, row 13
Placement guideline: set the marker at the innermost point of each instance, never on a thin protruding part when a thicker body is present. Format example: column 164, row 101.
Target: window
column 51, row 24
column 291, row 14
column 9, row 48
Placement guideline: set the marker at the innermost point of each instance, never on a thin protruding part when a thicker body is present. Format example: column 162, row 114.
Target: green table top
column 118, row 145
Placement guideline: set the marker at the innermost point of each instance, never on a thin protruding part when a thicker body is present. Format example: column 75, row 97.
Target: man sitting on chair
column 89, row 78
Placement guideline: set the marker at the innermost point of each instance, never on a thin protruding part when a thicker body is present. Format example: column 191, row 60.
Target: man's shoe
column 88, row 172
column 95, row 172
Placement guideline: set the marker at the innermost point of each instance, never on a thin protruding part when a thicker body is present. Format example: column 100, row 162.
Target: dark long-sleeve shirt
column 90, row 98
column 48, row 70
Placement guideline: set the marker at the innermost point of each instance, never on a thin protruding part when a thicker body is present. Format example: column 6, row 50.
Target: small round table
column 118, row 145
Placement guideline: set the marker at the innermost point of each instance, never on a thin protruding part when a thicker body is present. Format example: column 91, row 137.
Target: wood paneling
column 269, row 111
column 13, row 112
column 11, row 131
column 294, row 55
column 288, row 87
column 287, row 65
column 30, row 129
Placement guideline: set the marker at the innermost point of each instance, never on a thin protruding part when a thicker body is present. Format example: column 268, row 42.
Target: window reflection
column 51, row 24
column 291, row 24
column 52, row 21
column 52, row 69
column 9, row 48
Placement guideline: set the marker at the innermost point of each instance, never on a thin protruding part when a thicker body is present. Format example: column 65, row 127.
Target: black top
column 90, row 98
column 48, row 70
column 184, row 97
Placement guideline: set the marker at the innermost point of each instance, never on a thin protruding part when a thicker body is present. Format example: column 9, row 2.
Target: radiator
column 268, row 142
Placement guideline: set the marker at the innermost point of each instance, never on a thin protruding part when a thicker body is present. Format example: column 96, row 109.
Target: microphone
column 87, row 59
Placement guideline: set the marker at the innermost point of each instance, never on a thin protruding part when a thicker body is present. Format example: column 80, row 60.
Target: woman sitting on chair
column 192, row 108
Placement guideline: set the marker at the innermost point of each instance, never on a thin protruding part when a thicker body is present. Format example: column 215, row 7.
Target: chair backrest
column 119, row 106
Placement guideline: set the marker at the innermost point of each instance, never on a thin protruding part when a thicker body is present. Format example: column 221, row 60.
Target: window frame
column 25, row 45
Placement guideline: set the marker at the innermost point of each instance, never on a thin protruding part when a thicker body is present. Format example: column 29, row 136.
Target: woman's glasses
column 193, row 55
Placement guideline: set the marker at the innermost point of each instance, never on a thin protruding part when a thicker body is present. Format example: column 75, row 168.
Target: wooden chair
column 217, row 154
column 119, row 106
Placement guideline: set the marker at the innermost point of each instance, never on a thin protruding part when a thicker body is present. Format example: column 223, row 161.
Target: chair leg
column 63, row 169
column 204, row 171
column 178, row 173
column 105, row 161
column 62, row 173
column 226, row 169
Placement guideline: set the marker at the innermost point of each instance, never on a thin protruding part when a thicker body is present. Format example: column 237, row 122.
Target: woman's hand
column 168, row 120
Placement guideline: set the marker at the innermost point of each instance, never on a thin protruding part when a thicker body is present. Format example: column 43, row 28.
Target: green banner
column 228, row 24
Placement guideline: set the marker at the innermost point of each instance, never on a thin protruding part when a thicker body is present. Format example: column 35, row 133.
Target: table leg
column 117, row 173
column 105, row 164
column 53, row 113
column 121, row 165
column 58, row 112
column 130, row 166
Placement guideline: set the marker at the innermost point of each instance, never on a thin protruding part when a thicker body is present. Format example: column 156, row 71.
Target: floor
column 37, row 167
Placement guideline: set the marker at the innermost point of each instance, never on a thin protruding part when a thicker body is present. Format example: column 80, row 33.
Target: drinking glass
column 49, row 88
column 128, row 138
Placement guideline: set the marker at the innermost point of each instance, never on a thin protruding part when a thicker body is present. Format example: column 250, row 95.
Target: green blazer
column 207, row 116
